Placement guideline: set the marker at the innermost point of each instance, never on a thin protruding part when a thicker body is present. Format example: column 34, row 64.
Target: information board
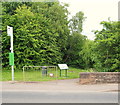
column 63, row 66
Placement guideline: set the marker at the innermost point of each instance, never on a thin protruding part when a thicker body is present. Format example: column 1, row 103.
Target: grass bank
column 36, row 75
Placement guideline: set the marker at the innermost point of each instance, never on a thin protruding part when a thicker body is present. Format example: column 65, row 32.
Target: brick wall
column 99, row 77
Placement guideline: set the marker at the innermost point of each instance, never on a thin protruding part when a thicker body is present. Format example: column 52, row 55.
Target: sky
column 95, row 11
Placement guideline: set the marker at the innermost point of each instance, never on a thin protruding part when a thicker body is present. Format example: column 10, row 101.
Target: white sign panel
column 63, row 66
column 9, row 31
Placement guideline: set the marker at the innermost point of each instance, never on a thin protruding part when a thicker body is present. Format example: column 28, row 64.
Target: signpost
column 63, row 67
column 11, row 55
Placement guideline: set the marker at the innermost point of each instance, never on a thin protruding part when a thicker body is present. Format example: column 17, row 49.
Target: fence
column 40, row 73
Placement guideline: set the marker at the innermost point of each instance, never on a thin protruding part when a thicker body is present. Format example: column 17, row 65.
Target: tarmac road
column 59, row 97
column 61, row 91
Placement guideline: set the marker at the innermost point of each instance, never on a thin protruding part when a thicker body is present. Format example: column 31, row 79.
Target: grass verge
column 36, row 75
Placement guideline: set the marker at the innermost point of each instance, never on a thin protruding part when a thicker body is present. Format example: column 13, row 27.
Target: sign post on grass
column 11, row 54
column 63, row 67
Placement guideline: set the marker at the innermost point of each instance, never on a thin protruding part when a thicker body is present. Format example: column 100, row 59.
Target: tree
column 88, row 54
column 108, row 43
column 75, row 40
column 76, row 22
column 35, row 34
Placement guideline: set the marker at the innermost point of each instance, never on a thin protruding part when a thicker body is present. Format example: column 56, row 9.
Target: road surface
column 59, row 97
column 61, row 91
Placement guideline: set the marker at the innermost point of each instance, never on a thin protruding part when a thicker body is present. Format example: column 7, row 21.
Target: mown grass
column 36, row 75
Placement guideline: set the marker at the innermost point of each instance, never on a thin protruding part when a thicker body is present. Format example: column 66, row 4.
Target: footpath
column 68, row 85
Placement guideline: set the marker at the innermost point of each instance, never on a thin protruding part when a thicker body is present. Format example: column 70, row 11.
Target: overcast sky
column 95, row 11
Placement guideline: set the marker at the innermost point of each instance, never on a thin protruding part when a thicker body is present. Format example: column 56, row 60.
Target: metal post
column 66, row 72
column 60, row 72
column 10, row 33
column 23, row 74
column 12, row 73
column 56, row 73
column 11, row 37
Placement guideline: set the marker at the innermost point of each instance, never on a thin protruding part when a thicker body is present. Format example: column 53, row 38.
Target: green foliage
column 39, row 32
column 75, row 44
column 43, row 35
column 75, row 41
column 76, row 22
column 107, row 46
column 87, row 54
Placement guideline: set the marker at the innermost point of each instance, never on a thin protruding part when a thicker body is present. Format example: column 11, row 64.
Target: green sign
column 11, row 59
